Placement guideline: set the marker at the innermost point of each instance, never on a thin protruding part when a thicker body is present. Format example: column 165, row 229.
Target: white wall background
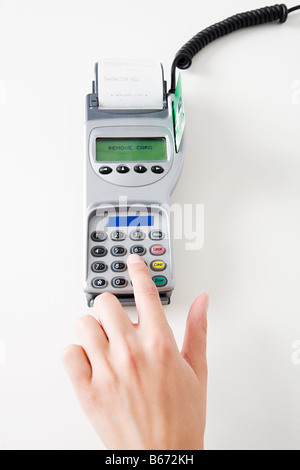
column 242, row 104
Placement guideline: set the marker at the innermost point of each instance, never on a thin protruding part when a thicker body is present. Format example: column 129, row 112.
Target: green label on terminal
column 178, row 114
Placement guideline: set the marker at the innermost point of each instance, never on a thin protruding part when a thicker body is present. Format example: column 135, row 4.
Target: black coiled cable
column 183, row 58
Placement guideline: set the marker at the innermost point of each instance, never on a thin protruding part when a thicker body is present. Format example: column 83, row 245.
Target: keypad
column 108, row 251
column 141, row 169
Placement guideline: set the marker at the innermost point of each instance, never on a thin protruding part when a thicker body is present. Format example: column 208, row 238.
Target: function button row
column 106, row 170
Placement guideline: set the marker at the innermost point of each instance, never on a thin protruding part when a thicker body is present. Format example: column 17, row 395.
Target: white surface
column 243, row 113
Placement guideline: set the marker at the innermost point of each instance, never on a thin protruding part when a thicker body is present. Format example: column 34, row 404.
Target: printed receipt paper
column 130, row 84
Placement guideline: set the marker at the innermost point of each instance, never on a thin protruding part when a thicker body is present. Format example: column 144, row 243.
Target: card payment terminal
column 132, row 166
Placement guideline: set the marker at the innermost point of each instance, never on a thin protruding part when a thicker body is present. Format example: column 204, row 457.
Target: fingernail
column 133, row 259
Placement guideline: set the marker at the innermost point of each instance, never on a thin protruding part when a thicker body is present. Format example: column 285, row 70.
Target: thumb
column 194, row 344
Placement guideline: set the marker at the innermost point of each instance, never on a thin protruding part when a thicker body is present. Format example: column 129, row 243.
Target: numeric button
column 99, row 267
column 137, row 235
column 99, row 251
column 118, row 251
column 118, row 235
column 118, row 266
column 138, row 250
column 99, row 236
column 119, row 282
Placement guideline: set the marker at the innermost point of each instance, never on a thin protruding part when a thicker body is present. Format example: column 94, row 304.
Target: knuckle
column 84, row 322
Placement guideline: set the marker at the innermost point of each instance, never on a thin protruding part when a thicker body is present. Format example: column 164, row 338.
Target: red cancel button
column 157, row 250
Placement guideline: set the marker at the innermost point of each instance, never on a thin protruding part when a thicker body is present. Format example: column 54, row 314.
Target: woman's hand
column 137, row 389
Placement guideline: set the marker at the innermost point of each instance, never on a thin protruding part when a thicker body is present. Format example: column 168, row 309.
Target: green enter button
column 160, row 281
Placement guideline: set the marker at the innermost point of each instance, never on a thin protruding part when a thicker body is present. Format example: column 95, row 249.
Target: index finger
column 146, row 295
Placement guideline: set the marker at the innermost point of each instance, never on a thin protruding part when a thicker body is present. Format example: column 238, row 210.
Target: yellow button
column 158, row 265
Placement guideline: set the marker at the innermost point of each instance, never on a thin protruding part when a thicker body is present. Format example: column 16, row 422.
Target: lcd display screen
column 131, row 150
